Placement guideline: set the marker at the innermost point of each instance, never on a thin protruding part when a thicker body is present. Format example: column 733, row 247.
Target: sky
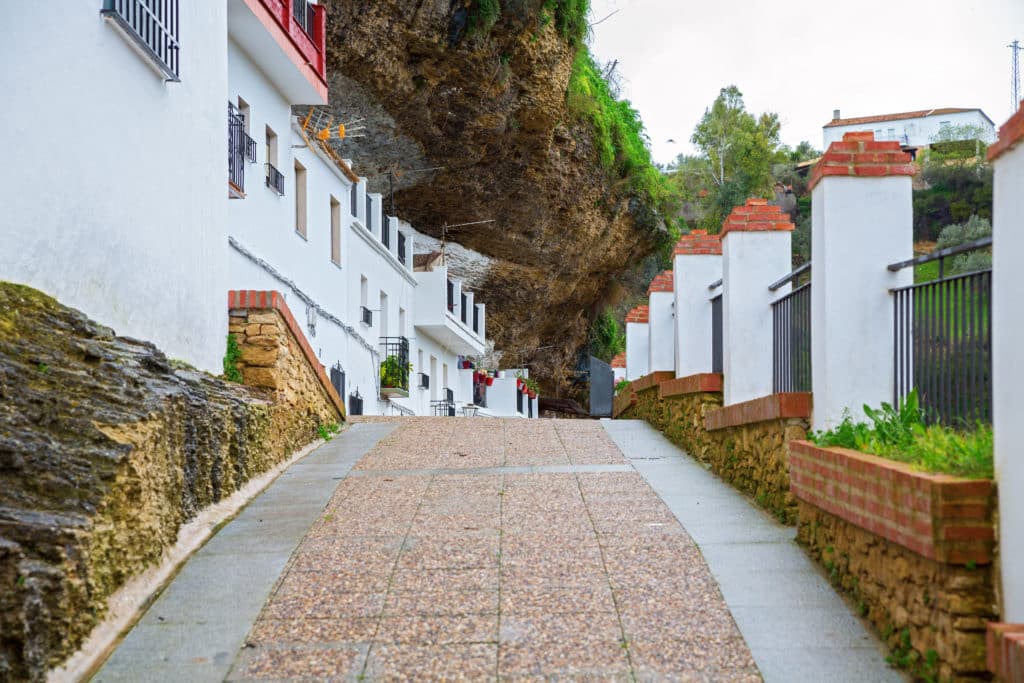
column 804, row 58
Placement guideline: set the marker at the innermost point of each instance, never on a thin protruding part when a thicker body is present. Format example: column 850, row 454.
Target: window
column 300, row 199
column 891, row 134
column 250, row 145
column 275, row 179
column 335, row 231
column 152, row 25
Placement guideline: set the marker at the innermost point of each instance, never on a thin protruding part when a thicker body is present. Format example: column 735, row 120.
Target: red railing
column 310, row 45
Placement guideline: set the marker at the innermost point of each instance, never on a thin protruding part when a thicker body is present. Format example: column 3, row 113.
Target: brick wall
column 913, row 549
column 1005, row 645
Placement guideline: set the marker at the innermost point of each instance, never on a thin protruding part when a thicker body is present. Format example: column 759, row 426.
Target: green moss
column 483, row 15
column 232, row 355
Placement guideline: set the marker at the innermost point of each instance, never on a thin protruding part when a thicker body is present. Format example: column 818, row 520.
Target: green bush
column 232, row 355
column 901, row 434
column 621, row 384
column 973, row 228
column 606, row 337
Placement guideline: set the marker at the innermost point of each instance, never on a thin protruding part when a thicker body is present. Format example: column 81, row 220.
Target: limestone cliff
column 487, row 110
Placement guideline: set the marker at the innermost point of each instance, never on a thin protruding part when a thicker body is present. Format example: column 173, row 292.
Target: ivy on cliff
column 568, row 16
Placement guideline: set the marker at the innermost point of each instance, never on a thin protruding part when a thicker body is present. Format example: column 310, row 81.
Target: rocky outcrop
column 488, row 113
column 106, row 448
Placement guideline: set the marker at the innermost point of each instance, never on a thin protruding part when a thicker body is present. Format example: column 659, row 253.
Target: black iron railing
column 463, row 313
column 791, row 341
column 443, row 408
column 451, row 296
column 366, row 315
column 476, row 319
column 394, row 369
column 338, row 379
column 303, row 12
column 275, row 179
column 250, row 147
column 449, row 396
column 943, row 341
column 355, row 403
column 401, row 248
column 153, row 26
column 424, row 380
column 236, row 148
column 716, row 334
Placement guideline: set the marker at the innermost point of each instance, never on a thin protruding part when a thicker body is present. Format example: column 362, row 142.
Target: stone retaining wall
column 744, row 444
column 106, row 449
column 913, row 550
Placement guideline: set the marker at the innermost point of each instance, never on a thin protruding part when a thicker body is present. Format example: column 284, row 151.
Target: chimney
column 835, row 114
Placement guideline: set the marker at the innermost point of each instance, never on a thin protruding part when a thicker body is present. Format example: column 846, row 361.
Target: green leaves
column 232, row 355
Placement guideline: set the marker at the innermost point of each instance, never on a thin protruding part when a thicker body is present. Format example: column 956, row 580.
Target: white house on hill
column 910, row 128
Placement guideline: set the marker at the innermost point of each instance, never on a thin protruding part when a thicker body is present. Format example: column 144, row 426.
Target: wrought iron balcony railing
column 401, row 248
column 153, row 26
column 236, row 151
column 275, row 179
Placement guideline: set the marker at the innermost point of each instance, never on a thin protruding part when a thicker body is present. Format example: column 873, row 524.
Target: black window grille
column 942, row 334
column 401, row 248
column 449, row 396
column 354, row 196
column 153, row 26
column 529, row 407
column 355, row 403
column 250, row 146
column 369, row 213
column 716, row 334
column 367, row 315
column 394, row 369
column 451, row 296
column 275, row 179
column 476, row 319
column 236, row 148
column 424, row 380
column 338, row 379
column 302, row 10
column 462, row 312
column 791, row 341
column 385, row 232
column 519, row 401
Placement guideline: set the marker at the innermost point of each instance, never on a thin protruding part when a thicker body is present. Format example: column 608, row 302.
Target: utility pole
column 1015, row 94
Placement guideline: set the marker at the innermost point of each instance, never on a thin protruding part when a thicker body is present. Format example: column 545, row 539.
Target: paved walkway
column 440, row 548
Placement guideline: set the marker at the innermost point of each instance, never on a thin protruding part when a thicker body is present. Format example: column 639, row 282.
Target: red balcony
column 286, row 38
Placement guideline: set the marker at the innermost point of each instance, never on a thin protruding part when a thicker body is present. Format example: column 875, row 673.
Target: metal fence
column 791, row 335
column 394, row 369
column 236, row 148
column 153, row 25
column 943, row 340
column 303, row 12
column 275, row 179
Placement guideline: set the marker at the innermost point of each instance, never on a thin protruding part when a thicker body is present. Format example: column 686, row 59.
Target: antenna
column 1015, row 48
column 444, row 234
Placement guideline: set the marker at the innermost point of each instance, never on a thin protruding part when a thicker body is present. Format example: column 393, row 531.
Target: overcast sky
column 804, row 58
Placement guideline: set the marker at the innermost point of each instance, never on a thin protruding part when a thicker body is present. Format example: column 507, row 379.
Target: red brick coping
column 705, row 382
column 860, row 155
column 941, row 517
column 1010, row 133
column 1005, row 650
column 251, row 299
column 651, row 381
column 772, row 407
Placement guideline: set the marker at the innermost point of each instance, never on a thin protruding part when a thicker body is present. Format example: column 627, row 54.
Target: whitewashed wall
column 638, row 349
column 693, row 273
column 662, row 332
column 1008, row 372
column 115, row 183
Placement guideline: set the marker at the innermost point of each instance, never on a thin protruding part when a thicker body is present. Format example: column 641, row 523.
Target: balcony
column 438, row 315
column 286, row 39
column 152, row 28
column 394, row 369
column 275, row 180
column 236, row 153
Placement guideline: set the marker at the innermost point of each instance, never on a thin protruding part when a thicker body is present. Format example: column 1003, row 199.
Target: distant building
column 913, row 129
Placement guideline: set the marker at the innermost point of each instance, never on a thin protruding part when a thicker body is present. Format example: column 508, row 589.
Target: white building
column 638, row 342
column 911, row 128
column 661, row 317
column 142, row 232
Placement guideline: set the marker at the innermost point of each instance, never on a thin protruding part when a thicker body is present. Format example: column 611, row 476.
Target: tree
column 737, row 151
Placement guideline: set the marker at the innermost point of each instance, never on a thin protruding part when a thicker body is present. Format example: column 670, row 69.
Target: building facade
column 911, row 129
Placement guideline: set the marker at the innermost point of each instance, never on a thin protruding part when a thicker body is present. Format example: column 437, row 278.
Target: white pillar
column 1007, row 157
column 637, row 343
column 756, row 252
column 662, row 328
column 697, row 263
column 862, row 221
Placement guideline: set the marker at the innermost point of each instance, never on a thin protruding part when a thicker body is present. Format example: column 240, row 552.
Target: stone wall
column 914, row 550
column 744, row 444
column 106, row 448
column 931, row 614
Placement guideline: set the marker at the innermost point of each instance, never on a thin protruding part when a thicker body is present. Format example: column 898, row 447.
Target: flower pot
column 532, row 394
column 490, row 381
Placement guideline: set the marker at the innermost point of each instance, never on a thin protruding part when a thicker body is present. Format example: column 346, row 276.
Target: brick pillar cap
column 858, row 155
column 640, row 314
column 662, row 282
column 756, row 216
column 1011, row 134
column 698, row 243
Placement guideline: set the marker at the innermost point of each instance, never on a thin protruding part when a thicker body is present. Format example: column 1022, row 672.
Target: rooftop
column 919, row 114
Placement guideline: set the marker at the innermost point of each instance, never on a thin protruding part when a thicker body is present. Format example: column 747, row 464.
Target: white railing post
column 662, row 330
column 1007, row 157
column 862, row 221
column 756, row 251
column 697, row 263
column 638, row 339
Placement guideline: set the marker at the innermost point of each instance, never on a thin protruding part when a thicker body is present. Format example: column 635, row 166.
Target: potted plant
column 532, row 387
column 394, row 375
column 490, row 381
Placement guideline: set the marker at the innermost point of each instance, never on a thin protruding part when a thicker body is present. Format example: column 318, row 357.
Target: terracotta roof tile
column 901, row 116
column 1010, row 134
column 756, row 216
column 619, row 361
column 662, row 282
column 859, row 155
column 698, row 242
column 640, row 314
